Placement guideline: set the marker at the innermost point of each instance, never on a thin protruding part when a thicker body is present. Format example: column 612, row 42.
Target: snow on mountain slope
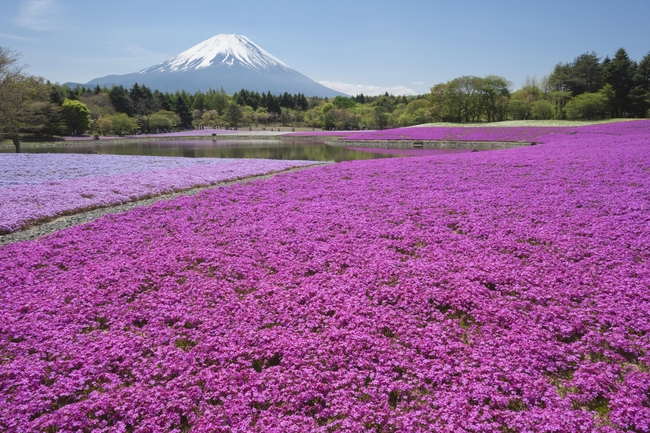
column 233, row 62
column 221, row 49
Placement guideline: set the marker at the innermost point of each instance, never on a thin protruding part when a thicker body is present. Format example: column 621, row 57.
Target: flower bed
column 494, row 291
column 480, row 133
column 38, row 187
column 32, row 168
column 461, row 133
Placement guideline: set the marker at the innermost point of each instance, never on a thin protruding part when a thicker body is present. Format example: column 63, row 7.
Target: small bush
column 588, row 106
column 542, row 110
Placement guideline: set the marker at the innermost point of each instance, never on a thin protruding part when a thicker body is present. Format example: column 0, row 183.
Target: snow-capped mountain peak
column 231, row 62
column 222, row 49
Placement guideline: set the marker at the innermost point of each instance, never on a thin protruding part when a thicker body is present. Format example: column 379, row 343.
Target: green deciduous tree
column 285, row 117
column 542, row 110
column 99, row 104
column 160, row 122
column 494, row 93
column 380, row 117
column 343, row 119
column 416, row 112
column 234, row 114
column 314, row 117
column 559, row 100
column 104, row 125
column 76, row 115
column 470, row 99
column 519, row 108
column 587, row 106
column 344, row 102
column 608, row 93
column 463, row 98
column 122, row 124
column 210, row 118
column 25, row 105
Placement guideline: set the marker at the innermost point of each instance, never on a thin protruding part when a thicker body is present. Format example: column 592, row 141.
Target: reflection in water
column 266, row 149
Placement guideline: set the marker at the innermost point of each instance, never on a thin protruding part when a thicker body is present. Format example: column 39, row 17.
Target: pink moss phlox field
column 478, row 133
column 409, row 152
column 31, row 168
column 502, row 291
column 460, row 133
column 36, row 187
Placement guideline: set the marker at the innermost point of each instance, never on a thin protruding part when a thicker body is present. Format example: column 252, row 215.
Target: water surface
column 266, row 149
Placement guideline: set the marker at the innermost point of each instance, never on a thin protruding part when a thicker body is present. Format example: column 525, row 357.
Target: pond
column 266, row 149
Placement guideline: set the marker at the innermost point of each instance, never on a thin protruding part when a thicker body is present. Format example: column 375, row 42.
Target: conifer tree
column 640, row 93
column 273, row 105
column 143, row 103
column 620, row 73
column 585, row 74
column 121, row 100
column 56, row 97
column 162, row 100
column 181, row 108
column 199, row 101
column 302, row 102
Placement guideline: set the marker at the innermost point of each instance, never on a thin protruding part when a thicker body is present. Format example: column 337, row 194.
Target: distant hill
column 233, row 62
column 72, row 85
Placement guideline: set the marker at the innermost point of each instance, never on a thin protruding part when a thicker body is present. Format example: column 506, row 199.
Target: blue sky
column 354, row 46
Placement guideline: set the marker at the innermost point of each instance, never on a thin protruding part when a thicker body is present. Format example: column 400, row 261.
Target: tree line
column 589, row 87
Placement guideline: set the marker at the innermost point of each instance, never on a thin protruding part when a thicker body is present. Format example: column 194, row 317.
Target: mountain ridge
column 233, row 62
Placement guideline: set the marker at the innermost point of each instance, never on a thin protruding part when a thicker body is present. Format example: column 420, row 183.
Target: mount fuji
column 233, row 62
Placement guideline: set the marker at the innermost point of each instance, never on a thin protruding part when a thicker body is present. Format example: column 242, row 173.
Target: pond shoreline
column 329, row 140
column 131, row 140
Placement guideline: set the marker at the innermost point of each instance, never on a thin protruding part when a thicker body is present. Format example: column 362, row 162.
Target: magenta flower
column 488, row 292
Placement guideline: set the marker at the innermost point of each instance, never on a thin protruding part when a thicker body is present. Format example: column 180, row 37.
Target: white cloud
column 17, row 38
column 355, row 89
column 38, row 15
